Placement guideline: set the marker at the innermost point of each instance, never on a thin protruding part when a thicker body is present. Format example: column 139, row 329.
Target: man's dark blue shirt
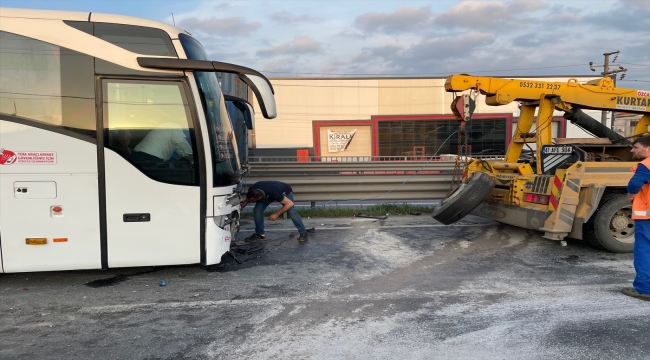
column 273, row 190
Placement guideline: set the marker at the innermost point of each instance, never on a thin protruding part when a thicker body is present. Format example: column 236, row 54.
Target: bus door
column 152, row 185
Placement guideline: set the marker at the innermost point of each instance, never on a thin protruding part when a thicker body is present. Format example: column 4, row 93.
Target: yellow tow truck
column 570, row 187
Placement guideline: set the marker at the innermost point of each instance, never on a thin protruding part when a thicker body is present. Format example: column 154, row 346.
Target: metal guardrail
column 284, row 159
column 356, row 180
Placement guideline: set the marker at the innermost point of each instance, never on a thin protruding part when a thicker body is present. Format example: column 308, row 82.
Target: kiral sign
column 8, row 157
column 339, row 140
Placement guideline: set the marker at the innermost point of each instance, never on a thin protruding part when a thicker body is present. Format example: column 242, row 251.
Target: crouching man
column 263, row 193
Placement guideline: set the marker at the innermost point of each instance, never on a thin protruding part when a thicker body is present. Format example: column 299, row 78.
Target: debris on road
column 373, row 217
column 234, row 257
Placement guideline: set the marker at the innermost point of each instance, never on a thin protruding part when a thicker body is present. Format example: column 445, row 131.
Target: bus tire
column 466, row 198
column 611, row 227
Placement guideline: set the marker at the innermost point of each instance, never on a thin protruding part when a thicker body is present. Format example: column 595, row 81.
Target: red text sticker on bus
column 7, row 157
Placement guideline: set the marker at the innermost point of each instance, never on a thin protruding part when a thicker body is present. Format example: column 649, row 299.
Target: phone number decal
column 539, row 85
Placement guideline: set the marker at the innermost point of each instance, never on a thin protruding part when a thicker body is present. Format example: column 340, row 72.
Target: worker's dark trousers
column 642, row 256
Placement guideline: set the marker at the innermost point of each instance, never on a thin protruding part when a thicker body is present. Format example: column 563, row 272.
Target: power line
column 634, row 64
column 418, row 73
column 275, row 84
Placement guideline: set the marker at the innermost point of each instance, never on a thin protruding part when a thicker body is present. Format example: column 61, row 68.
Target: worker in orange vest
column 638, row 191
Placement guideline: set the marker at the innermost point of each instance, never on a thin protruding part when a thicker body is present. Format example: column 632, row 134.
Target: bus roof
column 173, row 31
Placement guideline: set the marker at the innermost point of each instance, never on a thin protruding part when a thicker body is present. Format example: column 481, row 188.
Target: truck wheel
column 611, row 227
column 465, row 199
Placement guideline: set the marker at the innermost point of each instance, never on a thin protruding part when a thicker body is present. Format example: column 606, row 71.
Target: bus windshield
column 225, row 161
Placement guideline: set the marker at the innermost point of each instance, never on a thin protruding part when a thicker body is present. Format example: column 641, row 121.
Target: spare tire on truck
column 466, row 198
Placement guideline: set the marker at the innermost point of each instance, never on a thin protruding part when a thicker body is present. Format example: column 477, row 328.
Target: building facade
column 385, row 117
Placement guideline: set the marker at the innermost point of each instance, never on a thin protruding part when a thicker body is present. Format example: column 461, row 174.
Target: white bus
column 116, row 146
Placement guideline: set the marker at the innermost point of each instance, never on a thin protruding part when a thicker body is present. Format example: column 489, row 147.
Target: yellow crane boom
column 599, row 94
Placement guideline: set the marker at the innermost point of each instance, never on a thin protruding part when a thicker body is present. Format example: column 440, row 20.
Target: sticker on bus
column 8, row 157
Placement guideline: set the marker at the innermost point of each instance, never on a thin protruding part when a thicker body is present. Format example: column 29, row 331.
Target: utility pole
column 612, row 75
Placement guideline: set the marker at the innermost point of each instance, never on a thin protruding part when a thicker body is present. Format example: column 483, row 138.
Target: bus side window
column 137, row 39
column 47, row 84
column 149, row 124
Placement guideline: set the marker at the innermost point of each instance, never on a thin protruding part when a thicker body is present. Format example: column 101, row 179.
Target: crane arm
column 599, row 94
column 545, row 96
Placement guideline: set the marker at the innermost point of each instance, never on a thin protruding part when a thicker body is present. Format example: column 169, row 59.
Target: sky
column 354, row 38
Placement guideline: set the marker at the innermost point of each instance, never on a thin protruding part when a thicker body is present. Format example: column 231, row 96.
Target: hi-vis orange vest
column 641, row 203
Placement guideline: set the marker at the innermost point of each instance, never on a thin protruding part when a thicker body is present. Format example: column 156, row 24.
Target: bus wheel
column 466, row 198
column 611, row 227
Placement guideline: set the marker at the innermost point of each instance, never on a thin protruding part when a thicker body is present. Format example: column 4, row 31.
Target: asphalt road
column 400, row 288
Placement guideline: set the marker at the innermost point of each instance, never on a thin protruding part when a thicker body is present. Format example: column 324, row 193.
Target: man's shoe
column 255, row 238
column 303, row 237
column 632, row 292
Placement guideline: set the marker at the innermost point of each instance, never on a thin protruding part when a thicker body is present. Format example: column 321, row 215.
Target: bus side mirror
column 246, row 109
column 260, row 85
column 263, row 93
column 250, row 116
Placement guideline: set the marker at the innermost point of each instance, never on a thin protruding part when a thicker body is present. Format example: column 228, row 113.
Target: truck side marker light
column 536, row 198
column 60, row 240
column 36, row 241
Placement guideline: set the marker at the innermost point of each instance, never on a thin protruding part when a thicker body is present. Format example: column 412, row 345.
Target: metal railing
column 391, row 179
column 284, row 159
